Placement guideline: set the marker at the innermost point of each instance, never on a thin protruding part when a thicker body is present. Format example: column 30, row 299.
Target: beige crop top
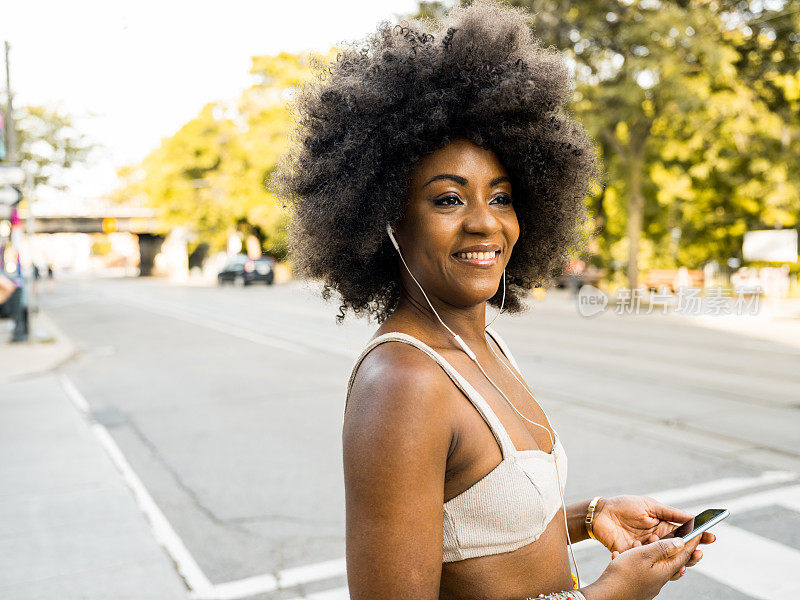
column 513, row 504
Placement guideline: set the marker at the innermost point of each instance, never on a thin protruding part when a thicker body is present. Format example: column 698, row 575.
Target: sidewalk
column 69, row 525
column 28, row 359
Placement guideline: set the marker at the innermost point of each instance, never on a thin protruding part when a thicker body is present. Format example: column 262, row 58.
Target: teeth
column 477, row 255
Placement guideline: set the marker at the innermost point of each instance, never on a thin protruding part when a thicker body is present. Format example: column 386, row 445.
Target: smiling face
column 459, row 225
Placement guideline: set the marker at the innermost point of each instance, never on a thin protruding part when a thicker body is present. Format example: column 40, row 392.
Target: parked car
column 243, row 270
column 590, row 276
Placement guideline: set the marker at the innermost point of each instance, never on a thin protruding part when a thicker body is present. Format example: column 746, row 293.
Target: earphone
column 463, row 345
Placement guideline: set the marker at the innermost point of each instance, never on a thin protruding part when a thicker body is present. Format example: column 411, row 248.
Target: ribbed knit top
column 512, row 505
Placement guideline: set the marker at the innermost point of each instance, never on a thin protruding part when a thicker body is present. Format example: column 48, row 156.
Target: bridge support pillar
column 175, row 255
column 149, row 247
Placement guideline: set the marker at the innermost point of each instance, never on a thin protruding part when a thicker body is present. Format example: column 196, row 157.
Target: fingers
column 666, row 550
column 708, row 538
column 691, row 545
column 669, row 513
column 615, row 554
column 679, row 574
column 696, row 556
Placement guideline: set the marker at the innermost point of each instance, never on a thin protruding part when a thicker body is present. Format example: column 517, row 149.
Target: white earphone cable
column 474, row 359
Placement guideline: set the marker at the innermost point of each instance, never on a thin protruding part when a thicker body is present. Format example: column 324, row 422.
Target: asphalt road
column 227, row 404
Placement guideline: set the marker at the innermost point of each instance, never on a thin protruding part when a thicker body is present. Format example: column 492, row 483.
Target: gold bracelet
column 590, row 516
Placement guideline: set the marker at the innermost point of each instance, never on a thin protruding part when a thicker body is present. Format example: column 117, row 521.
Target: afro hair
column 365, row 121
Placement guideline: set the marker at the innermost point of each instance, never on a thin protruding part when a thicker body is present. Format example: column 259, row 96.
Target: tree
column 49, row 145
column 689, row 102
column 210, row 175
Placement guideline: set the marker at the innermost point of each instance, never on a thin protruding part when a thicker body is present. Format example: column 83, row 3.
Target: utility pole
column 11, row 132
column 12, row 158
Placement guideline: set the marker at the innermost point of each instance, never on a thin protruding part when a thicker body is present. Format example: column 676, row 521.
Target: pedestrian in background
column 11, row 307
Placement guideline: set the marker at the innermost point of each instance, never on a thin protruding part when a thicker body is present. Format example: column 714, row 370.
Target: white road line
column 720, row 487
column 681, row 496
column 744, row 561
column 162, row 530
column 752, row 564
column 314, row 572
column 335, row 594
column 786, row 497
column 241, row 588
column 791, row 502
column 73, row 394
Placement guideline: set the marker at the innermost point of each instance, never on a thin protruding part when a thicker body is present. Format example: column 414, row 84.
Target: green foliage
column 210, row 175
column 694, row 105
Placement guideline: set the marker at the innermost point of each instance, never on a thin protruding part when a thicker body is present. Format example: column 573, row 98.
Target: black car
column 242, row 270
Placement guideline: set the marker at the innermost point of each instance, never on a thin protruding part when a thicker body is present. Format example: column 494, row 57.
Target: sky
column 135, row 72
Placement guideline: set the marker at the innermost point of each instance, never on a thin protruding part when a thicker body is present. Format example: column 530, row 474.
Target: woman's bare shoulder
column 400, row 376
column 400, row 393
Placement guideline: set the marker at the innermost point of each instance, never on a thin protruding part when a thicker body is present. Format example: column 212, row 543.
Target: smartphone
column 697, row 525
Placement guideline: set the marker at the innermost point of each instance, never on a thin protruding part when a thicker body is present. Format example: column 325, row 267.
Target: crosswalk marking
column 786, row 497
column 241, row 588
column 314, row 572
column 719, row 487
column 752, row 564
column 335, row 594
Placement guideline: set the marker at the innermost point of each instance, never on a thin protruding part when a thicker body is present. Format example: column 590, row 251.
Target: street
column 226, row 405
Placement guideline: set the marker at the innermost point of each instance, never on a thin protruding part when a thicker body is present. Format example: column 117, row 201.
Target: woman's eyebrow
column 457, row 178
column 463, row 180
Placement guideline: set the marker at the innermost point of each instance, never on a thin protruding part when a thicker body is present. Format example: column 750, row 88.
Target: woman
column 435, row 172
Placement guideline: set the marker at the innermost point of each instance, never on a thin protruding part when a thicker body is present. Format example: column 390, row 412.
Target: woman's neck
column 467, row 322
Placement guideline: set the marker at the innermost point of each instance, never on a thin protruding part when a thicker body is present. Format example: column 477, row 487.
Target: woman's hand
column 624, row 522
column 641, row 572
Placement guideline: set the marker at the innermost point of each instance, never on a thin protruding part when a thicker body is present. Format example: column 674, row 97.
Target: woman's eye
column 448, row 201
column 503, row 199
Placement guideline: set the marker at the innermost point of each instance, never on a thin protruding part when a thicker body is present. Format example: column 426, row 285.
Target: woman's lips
column 478, row 259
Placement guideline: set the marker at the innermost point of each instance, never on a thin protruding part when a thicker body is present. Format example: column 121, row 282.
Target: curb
column 49, row 355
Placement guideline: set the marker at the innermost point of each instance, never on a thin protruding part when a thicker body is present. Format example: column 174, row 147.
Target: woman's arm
column 396, row 438
column 576, row 519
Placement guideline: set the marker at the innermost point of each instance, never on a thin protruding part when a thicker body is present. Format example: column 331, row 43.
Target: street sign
column 9, row 196
column 11, row 175
column 776, row 245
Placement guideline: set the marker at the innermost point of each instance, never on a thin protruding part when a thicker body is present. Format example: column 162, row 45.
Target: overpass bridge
column 127, row 220
column 141, row 222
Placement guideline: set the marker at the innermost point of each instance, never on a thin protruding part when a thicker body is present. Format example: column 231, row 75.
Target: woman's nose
column 479, row 218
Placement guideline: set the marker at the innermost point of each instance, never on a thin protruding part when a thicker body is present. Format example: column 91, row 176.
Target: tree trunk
column 635, row 218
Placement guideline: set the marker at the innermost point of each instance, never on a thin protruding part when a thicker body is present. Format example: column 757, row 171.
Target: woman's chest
column 517, row 409
column 542, row 566
column 477, row 450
